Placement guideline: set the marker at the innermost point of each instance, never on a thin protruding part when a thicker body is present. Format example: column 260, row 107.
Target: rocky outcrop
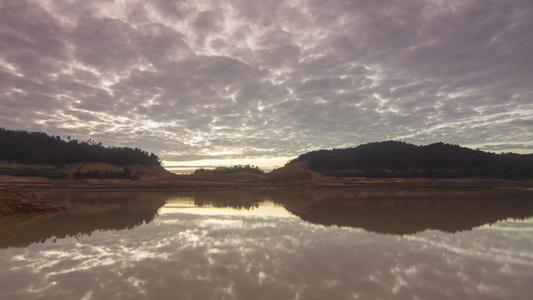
column 15, row 200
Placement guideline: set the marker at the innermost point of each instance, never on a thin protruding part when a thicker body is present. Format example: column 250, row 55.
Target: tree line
column 40, row 148
column 400, row 159
column 229, row 170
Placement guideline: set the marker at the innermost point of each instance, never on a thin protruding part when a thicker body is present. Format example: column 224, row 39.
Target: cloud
column 268, row 78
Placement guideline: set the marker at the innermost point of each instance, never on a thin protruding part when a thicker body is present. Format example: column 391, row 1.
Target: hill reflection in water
column 86, row 213
column 409, row 211
column 398, row 212
column 248, row 245
column 390, row 211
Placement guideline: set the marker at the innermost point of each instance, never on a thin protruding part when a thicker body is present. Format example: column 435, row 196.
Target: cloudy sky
column 260, row 82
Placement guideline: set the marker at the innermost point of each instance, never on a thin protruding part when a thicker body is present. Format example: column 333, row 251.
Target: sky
column 211, row 83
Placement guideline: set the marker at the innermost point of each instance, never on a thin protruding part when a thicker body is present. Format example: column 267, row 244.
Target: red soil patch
column 295, row 171
column 15, row 200
column 138, row 171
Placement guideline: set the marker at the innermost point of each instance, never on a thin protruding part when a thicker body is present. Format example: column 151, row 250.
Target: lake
column 273, row 244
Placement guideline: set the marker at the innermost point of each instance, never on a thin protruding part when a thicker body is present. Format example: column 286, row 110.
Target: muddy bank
column 16, row 200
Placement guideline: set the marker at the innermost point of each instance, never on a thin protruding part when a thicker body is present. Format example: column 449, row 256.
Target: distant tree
column 229, row 170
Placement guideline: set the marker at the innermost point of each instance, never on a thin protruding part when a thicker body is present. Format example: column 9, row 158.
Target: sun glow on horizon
column 266, row 164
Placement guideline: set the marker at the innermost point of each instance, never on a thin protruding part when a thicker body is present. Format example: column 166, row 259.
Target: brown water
column 273, row 244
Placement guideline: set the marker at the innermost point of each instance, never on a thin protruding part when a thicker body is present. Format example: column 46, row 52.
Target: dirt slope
column 15, row 200
column 295, row 171
column 137, row 170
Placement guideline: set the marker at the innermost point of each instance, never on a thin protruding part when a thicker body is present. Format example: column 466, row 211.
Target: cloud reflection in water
column 192, row 252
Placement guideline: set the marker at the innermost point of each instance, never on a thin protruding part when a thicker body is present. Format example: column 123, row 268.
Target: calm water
column 396, row 244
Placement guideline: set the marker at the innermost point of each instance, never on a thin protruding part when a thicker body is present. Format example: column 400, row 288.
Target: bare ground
column 16, row 200
column 292, row 176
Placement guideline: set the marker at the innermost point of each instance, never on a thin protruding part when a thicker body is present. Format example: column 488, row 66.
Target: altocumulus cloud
column 196, row 80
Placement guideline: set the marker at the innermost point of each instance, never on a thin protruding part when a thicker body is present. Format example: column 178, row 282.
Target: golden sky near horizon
column 210, row 83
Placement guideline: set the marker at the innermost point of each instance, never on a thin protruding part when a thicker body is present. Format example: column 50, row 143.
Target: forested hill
column 399, row 159
column 40, row 148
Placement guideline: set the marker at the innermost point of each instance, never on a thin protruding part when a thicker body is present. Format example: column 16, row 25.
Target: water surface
column 273, row 244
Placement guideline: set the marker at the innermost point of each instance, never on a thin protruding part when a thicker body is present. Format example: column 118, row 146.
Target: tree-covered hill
column 39, row 148
column 399, row 159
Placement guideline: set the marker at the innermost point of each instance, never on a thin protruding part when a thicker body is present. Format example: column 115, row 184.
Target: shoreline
column 186, row 184
column 293, row 176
